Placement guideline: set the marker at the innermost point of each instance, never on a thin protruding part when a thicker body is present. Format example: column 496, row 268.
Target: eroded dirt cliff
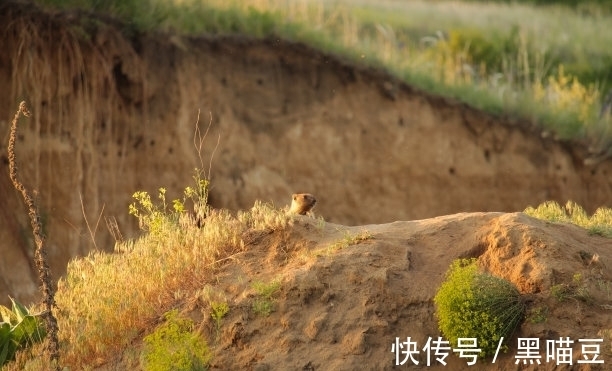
column 115, row 112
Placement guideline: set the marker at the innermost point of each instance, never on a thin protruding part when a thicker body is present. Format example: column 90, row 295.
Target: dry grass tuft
column 262, row 216
column 599, row 223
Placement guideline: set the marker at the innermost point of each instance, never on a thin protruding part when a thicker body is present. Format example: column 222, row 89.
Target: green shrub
column 18, row 329
column 174, row 346
column 471, row 304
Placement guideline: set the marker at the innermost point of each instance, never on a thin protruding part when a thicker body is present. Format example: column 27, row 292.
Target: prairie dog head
column 302, row 203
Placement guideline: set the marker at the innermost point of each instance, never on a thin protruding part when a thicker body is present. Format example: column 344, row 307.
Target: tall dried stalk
column 40, row 254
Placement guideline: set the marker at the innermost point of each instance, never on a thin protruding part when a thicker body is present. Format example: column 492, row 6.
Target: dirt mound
column 346, row 293
column 113, row 115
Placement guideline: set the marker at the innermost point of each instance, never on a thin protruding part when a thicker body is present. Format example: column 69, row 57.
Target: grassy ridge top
column 549, row 65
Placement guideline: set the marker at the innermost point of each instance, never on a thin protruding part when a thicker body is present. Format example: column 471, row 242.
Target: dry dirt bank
column 115, row 114
column 341, row 307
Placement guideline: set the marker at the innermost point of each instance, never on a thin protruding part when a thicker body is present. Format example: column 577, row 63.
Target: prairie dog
column 302, row 203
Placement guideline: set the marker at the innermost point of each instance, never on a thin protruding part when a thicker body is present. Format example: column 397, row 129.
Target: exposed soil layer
column 115, row 114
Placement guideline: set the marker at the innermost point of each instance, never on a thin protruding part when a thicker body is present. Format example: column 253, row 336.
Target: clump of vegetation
column 108, row 299
column 218, row 310
column 264, row 216
column 174, row 346
column 154, row 217
column 19, row 329
column 576, row 289
column 538, row 314
column 151, row 217
column 348, row 240
column 470, row 304
column 264, row 302
column 599, row 223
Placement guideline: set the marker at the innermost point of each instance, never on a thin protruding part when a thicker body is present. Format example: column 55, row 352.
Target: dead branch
column 40, row 254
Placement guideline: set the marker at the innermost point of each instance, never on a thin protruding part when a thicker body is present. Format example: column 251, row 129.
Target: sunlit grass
column 599, row 223
column 108, row 300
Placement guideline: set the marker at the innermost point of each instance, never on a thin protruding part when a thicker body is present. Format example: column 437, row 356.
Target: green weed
column 538, row 315
column 349, row 240
column 576, row 289
column 218, row 310
column 173, row 346
column 560, row 292
column 264, row 302
column 470, row 304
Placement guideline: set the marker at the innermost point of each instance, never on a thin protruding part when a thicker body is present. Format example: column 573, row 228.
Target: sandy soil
column 341, row 306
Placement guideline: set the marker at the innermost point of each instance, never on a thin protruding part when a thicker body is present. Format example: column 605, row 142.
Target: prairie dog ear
column 294, row 196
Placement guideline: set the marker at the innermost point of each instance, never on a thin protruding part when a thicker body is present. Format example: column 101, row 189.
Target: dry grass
column 599, row 223
column 263, row 216
column 108, row 300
